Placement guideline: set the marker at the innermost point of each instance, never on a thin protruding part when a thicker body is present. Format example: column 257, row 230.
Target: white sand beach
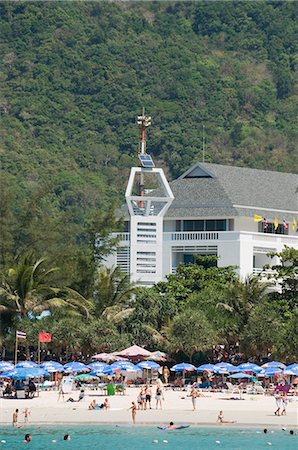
column 251, row 411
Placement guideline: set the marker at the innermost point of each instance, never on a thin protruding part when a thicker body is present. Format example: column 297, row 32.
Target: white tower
column 146, row 214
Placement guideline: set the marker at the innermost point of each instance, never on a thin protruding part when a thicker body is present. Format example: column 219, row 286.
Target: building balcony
column 199, row 236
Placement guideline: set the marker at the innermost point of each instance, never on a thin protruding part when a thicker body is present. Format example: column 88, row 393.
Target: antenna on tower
column 203, row 143
column 143, row 122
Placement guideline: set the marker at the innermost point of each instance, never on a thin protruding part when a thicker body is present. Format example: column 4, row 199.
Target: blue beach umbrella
column 203, row 367
column 273, row 364
column 26, row 364
column 240, row 375
column 292, row 366
column 52, row 366
column 122, row 365
column 148, row 365
column 183, row 367
column 102, row 372
column 5, row 366
column 98, row 366
column 76, row 367
column 293, row 371
column 23, row 373
column 224, row 368
column 270, row 371
column 250, row 367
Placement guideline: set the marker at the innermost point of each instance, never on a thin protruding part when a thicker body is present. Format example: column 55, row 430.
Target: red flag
column 45, row 337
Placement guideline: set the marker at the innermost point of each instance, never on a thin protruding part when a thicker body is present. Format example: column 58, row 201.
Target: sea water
column 143, row 438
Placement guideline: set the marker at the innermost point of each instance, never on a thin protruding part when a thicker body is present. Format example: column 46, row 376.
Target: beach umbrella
column 270, row 371
column 240, row 375
column 157, row 356
column 26, row 364
column 148, row 365
column 102, row 372
column 23, row 373
column 292, row 366
column 224, row 368
column 250, row 367
column 99, row 366
column 52, row 366
column 85, row 377
column 76, row 367
column 134, row 352
column 273, row 364
column 5, row 366
column 183, row 367
column 293, row 371
column 107, row 357
column 124, row 365
column 204, row 367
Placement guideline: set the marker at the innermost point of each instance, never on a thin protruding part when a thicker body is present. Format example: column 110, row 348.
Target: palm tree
column 113, row 291
column 242, row 296
column 25, row 291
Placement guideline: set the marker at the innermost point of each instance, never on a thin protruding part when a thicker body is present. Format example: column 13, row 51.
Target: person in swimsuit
column 220, row 418
column 158, row 397
column 193, row 394
column 133, row 412
column 15, row 418
column 28, row 438
column 26, row 413
column 148, row 396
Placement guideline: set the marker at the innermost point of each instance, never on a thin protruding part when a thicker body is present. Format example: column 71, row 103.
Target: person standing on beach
column 158, row 396
column 15, row 418
column 26, row 413
column 278, row 404
column 166, row 374
column 148, row 396
column 193, row 394
column 133, row 412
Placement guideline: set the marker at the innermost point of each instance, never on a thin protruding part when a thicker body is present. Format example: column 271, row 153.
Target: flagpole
column 38, row 351
column 38, row 360
column 16, row 351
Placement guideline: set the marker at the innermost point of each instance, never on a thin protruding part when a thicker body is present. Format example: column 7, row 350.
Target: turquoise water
column 131, row 438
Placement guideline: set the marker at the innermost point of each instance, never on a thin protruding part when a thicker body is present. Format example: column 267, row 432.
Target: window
column 269, row 228
column 205, row 225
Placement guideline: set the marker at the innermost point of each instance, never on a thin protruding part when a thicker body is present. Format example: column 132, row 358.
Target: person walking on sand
column 284, row 402
column 148, row 396
column 193, row 394
column 26, row 413
column 133, row 412
column 15, row 417
column 278, row 404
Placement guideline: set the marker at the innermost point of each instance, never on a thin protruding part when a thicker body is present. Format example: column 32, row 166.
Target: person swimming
column 28, row 438
column 66, row 437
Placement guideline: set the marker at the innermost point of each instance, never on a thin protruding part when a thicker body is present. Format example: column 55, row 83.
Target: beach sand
column 253, row 411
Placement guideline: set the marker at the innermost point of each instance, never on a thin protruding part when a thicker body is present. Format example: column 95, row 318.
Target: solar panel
column 146, row 160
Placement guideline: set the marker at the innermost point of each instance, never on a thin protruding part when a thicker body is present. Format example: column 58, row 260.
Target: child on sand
column 26, row 413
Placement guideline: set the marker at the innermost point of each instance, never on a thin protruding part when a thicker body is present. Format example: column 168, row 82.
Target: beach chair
column 232, row 389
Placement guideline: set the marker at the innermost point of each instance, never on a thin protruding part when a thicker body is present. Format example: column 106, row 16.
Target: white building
column 209, row 210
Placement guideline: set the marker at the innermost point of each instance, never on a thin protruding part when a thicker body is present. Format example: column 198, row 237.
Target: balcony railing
column 191, row 236
column 218, row 235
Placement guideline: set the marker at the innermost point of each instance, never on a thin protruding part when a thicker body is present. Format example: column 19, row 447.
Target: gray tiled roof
column 229, row 189
column 231, row 186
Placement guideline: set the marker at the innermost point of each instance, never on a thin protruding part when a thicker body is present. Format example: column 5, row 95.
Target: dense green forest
column 74, row 76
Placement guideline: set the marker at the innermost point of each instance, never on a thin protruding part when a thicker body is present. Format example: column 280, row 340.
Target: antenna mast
column 143, row 122
column 203, row 143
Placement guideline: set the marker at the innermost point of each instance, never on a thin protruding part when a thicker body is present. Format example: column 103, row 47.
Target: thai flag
column 20, row 335
column 285, row 225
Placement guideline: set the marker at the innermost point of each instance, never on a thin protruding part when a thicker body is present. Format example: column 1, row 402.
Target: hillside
column 74, row 76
